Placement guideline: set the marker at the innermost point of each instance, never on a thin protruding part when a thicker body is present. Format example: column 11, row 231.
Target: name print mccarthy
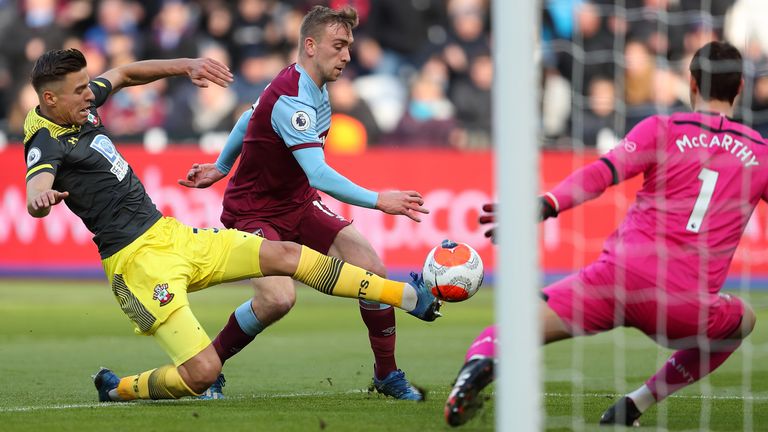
column 727, row 143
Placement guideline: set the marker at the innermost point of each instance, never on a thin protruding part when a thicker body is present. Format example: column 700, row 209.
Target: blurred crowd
column 421, row 70
column 606, row 65
column 420, row 74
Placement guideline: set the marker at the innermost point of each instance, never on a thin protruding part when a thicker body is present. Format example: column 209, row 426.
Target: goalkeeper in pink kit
column 661, row 271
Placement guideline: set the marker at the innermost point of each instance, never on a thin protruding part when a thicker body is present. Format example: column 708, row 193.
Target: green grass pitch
column 311, row 371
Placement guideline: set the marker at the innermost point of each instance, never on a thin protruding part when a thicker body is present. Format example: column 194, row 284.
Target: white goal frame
column 515, row 125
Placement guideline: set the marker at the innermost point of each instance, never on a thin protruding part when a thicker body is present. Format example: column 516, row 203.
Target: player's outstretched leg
column 196, row 365
column 333, row 276
column 464, row 401
column 105, row 381
column 216, row 390
column 474, row 376
column 683, row 368
column 427, row 305
column 624, row 412
column 689, row 365
column 162, row 383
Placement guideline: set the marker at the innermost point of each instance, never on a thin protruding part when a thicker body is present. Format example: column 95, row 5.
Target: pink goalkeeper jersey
column 704, row 174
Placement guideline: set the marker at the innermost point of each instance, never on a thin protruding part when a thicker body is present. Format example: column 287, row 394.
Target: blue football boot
column 216, row 390
column 427, row 305
column 105, row 380
column 396, row 385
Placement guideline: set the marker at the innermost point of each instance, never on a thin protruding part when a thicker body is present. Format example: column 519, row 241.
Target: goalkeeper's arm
column 582, row 185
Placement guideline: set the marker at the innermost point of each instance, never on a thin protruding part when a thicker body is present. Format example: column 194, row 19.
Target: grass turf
column 311, row 371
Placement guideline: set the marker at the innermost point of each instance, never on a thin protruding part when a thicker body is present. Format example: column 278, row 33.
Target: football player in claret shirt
column 662, row 270
column 153, row 262
column 274, row 191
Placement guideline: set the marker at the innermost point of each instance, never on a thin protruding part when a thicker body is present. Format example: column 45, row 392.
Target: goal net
column 604, row 67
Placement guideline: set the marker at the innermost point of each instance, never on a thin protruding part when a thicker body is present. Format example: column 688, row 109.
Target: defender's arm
column 200, row 71
column 40, row 196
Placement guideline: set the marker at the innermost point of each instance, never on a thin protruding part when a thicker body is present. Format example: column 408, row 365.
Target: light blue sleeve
column 234, row 144
column 324, row 178
column 295, row 122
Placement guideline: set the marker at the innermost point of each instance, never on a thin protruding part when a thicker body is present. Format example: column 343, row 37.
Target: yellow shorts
column 151, row 277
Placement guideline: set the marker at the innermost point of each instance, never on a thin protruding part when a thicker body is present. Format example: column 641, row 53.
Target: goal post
column 515, row 125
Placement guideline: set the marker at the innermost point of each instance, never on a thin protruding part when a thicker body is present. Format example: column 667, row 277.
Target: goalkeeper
column 703, row 176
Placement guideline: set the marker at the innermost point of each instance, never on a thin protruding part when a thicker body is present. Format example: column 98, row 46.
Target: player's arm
column 633, row 155
column 295, row 122
column 636, row 153
column 40, row 195
column 488, row 215
column 204, row 175
column 322, row 177
column 234, row 144
column 43, row 157
column 200, row 71
column 584, row 184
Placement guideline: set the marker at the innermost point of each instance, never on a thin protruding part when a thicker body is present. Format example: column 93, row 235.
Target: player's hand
column 406, row 203
column 546, row 209
column 47, row 199
column 204, row 70
column 202, row 176
column 489, row 218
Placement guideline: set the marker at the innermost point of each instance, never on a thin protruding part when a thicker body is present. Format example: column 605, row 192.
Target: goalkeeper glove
column 489, row 218
column 546, row 211
column 546, row 208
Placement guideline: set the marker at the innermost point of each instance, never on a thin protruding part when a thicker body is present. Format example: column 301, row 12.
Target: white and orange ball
column 453, row 271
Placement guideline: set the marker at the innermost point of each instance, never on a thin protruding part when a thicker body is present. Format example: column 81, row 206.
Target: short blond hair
column 318, row 17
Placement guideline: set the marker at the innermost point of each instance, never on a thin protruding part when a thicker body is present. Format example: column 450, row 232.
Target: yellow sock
column 337, row 278
column 161, row 383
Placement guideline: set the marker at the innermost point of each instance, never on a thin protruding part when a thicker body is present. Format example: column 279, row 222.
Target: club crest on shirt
column 629, row 146
column 93, row 119
column 162, row 295
column 259, row 232
column 33, row 156
column 300, row 121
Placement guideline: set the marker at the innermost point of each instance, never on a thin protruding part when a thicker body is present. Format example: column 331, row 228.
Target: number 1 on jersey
column 708, row 180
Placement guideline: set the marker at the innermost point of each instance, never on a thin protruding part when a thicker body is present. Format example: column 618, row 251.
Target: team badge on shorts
column 162, row 295
column 300, row 121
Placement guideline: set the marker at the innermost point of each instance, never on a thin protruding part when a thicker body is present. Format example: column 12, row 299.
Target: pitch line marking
column 355, row 391
column 696, row 397
column 128, row 405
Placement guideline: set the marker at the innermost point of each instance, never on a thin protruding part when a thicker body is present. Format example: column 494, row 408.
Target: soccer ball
column 453, row 271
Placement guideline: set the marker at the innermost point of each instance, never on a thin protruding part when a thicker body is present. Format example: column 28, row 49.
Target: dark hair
column 54, row 65
column 717, row 68
column 320, row 16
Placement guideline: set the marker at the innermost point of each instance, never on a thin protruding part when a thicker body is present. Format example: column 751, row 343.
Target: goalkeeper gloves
column 546, row 208
column 489, row 218
column 546, row 211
